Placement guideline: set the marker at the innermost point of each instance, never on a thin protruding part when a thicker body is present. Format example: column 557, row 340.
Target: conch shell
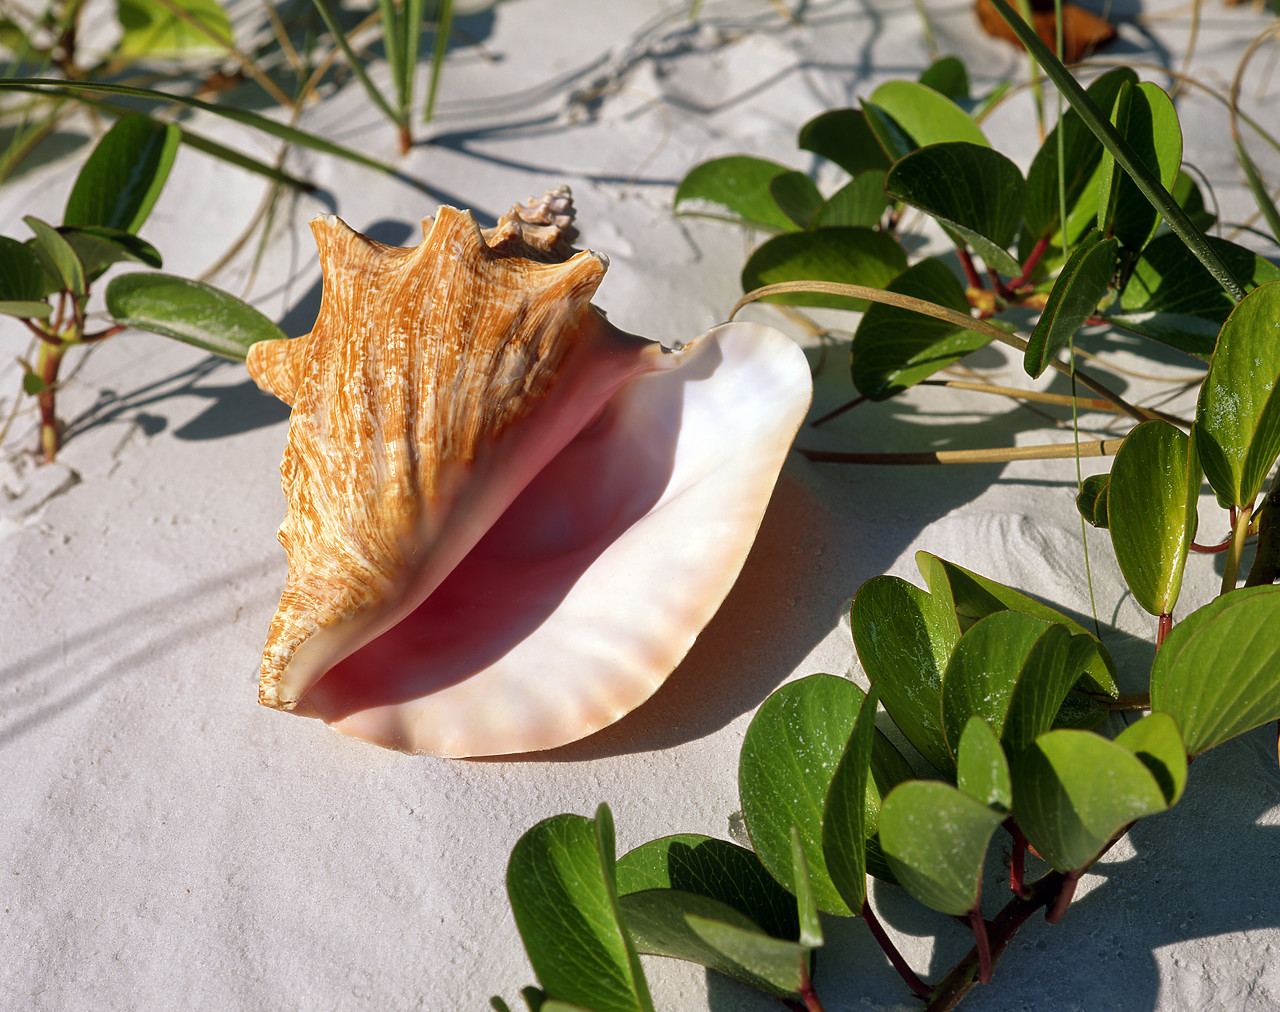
column 507, row 519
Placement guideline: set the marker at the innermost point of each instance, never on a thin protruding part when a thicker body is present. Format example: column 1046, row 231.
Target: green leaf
column 57, row 255
column 973, row 596
column 1151, row 509
column 861, row 202
column 1074, row 298
column 982, row 770
column 1144, row 115
column 98, row 248
column 1216, row 672
column 806, row 901
column 1155, row 740
column 903, row 641
column 122, row 178
column 1083, row 160
column 1042, row 698
column 1092, row 500
column 796, row 196
column 948, row 76
column 1074, row 790
column 977, row 194
column 683, row 925
column 935, row 839
column 26, row 310
column 905, row 115
column 844, row 137
column 1171, row 298
column 189, row 311
column 33, row 384
column 895, row 348
column 789, row 757
column 716, row 868
column 737, row 187
column 1237, row 426
column 153, row 29
column 22, row 278
column 845, row 816
column 857, row 256
column 560, row 882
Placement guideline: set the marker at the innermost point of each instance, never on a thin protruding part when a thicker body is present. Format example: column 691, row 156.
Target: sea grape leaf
column 1074, row 298
column 894, row 348
column 1073, row 790
column 1215, row 674
column 1083, row 162
column 861, row 202
column 975, row 193
column 1092, row 499
column 974, row 596
column 189, row 311
column 560, row 880
column 716, row 868
column 152, row 29
column 905, row 115
column 1237, row 426
column 122, row 178
column 789, row 756
column 796, row 196
column 1155, row 740
column 736, row 187
column 1151, row 510
column 903, row 641
column 1171, row 297
column 844, row 137
column 1144, row 115
column 58, row 258
column 845, row 812
column 935, row 838
column 858, row 256
column 982, row 769
column 697, row 928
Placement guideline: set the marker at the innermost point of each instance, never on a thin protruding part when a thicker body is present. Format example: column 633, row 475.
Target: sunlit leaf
column 736, row 187
column 1092, row 499
column 166, row 31
column 982, row 770
column 845, row 815
column 1155, row 740
column 1144, row 115
column 122, row 178
column 57, row 256
column 98, row 248
column 905, row 115
column 858, row 256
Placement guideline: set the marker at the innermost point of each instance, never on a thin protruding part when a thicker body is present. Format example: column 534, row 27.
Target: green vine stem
column 1239, row 530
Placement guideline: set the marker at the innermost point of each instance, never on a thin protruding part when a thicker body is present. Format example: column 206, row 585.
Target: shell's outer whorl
column 437, row 380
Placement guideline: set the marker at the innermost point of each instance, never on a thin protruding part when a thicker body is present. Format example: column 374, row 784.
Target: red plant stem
column 981, row 943
column 918, row 987
column 47, row 364
column 102, row 335
column 44, row 335
column 1032, row 262
column 1163, row 626
column 970, row 272
column 999, row 287
column 1211, row 549
column 847, row 405
column 812, row 1003
column 1018, row 859
column 1056, row 912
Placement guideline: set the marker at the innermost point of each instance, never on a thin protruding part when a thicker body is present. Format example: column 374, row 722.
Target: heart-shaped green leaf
column 935, row 838
column 715, row 868
column 165, row 30
column 1215, row 674
column 848, row 811
column 1237, row 427
column 860, row 203
column 122, row 178
column 857, row 256
column 982, row 769
column 1155, row 740
column 1079, row 287
column 1145, row 117
column 977, row 194
column 1151, row 509
column 736, row 187
column 560, row 880
column 905, row 115
column 1073, row 790
column 789, row 756
column 894, row 348
column 1172, row 298
column 904, row 640
column 843, row 136
column 189, row 311
column 1092, row 500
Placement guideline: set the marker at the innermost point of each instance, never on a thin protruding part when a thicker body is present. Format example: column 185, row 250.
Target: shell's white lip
column 545, row 634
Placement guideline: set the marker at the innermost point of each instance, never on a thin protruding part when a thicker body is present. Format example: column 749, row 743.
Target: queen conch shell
column 507, row 519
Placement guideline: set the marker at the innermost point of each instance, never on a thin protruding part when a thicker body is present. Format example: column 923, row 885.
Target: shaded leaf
column 22, row 278
column 766, row 958
column 58, row 258
column 1042, row 698
column 1216, row 671
column 844, row 137
column 935, row 838
column 736, row 186
column 98, row 248
column 948, row 76
column 122, row 178
column 1074, row 298
column 796, row 196
column 806, row 901
column 1092, row 499
column 189, row 311
column 894, row 348
column 1156, row 741
column 982, row 770
column 845, row 815
column 977, row 194
column 861, row 202
column 1237, row 426
column 1145, row 117
column 1151, row 509
column 857, row 256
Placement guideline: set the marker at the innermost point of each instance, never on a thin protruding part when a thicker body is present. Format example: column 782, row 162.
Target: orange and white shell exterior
column 507, row 520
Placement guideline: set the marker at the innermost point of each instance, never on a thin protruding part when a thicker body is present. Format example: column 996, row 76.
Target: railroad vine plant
column 999, row 696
